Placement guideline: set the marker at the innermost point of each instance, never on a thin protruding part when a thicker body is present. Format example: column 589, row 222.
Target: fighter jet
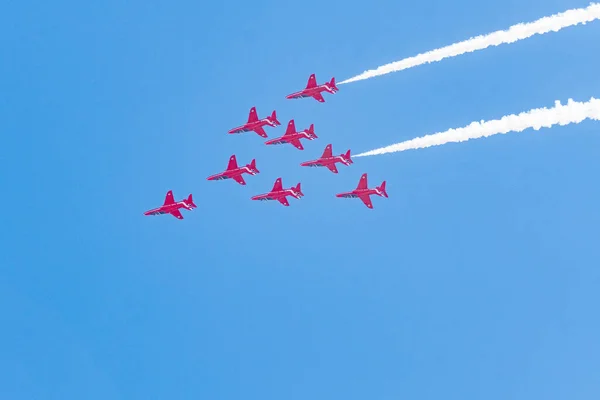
column 328, row 160
column 172, row 207
column 255, row 124
column 234, row 172
column 279, row 193
column 313, row 90
column 364, row 193
column 293, row 137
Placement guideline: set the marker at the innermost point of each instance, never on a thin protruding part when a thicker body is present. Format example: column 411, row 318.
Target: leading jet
column 170, row 206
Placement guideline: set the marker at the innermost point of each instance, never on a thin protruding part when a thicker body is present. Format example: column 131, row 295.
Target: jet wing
column 332, row 168
column 283, row 200
column 252, row 117
column 362, row 183
column 176, row 214
column 327, row 153
column 296, row 143
column 291, row 128
column 239, row 179
column 312, row 81
column 260, row 131
column 319, row 97
column 278, row 186
column 366, row 199
column 232, row 163
column 169, row 198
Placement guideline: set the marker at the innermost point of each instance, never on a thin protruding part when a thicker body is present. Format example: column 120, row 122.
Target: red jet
column 256, row 125
column 313, row 90
column 172, row 207
column 363, row 192
column 234, row 172
column 293, row 137
column 280, row 194
column 328, row 160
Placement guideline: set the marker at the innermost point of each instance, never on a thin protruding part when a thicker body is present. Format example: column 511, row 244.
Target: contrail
column 515, row 33
column 572, row 113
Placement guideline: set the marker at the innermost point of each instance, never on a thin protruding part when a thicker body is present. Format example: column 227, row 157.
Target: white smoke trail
column 572, row 113
column 515, row 33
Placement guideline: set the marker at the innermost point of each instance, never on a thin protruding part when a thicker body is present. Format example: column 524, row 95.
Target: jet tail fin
column 190, row 201
column 332, row 84
column 382, row 189
column 298, row 189
column 311, row 130
column 347, row 156
column 252, row 165
column 274, row 118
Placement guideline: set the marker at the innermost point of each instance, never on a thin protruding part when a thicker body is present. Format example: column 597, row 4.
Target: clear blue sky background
column 477, row 279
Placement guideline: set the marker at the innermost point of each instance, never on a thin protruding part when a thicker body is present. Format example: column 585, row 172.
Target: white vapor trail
column 515, row 33
column 571, row 113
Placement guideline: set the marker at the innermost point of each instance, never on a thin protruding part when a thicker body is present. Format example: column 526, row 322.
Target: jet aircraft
column 234, row 172
column 293, row 137
column 313, row 90
column 256, row 125
column 364, row 193
column 172, row 207
column 279, row 193
column 329, row 160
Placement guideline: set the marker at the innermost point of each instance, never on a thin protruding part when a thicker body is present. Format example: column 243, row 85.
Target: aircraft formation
column 292, row 137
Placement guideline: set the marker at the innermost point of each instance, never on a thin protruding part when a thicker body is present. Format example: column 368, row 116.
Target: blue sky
column 477, row 278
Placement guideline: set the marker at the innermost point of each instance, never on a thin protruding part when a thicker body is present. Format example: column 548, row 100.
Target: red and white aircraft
column 328, row 160
column 364, row 193
column 293, row 137
column 256, row 125
column 279, row 193
column 172, row 207
column 313, row 90
column 234, row 172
